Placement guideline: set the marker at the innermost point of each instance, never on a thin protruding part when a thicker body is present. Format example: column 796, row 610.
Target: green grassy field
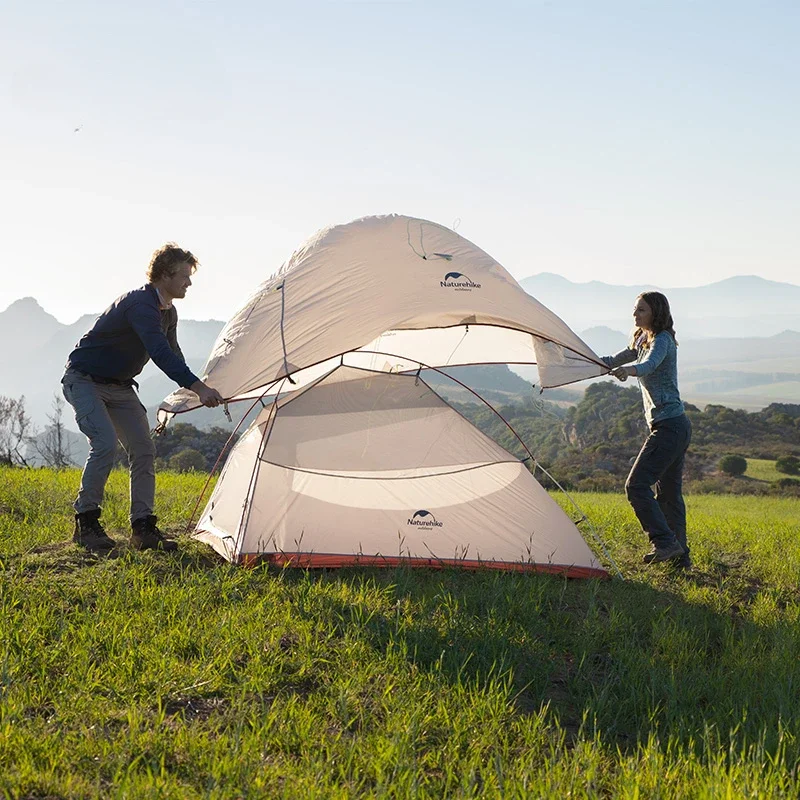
column 180, row 676
column 763, row 469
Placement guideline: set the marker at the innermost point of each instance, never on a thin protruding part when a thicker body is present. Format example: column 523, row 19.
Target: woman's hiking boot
column 146, row 536
column 663, row 553
column 90, row 534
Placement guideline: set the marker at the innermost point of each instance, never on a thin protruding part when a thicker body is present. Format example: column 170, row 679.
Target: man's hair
column 662, row 320
column 165, row 259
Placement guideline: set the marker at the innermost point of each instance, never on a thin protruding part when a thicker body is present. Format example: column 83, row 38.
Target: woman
column 660, row 462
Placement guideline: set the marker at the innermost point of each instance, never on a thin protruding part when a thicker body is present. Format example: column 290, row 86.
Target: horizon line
column 632, row 287
column 665, row 288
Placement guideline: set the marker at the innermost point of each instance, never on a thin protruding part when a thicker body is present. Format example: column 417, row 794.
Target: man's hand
column 208, row 397
column 620, row 373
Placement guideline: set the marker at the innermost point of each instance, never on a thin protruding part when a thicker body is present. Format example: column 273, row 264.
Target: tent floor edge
column 337, row 561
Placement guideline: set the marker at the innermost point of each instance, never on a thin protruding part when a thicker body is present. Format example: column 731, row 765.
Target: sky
column 637, row 142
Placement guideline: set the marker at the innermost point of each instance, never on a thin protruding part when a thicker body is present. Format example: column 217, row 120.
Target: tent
column 370, row 467
column 401, row 292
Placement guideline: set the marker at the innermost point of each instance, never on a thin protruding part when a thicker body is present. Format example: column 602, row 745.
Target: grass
column 763, row 469
column 149, row 675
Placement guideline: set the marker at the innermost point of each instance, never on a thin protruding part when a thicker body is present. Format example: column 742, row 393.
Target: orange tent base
column 335, row 560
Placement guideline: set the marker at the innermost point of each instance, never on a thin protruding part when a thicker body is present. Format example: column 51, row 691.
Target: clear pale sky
column 629, row 142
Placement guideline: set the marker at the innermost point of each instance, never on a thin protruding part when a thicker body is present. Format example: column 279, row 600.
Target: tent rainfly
column 401, row 292
column 375, row 468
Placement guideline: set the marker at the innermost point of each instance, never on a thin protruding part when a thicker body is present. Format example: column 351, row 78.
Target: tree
column 188, row 460
column 182, row 436
column 53, row 445
column 16, row 431
column 789, row 465
column 733, row 465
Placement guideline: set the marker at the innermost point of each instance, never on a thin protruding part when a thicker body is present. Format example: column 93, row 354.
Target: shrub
column 732, row 465
column 789, row 465
column 785, row 487
column 723, row 484
column 187, row 460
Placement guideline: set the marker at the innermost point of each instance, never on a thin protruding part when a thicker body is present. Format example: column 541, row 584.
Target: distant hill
column 590, row 445
column 35, row 346
column 737, row 372
column 744, row 306
column 25, row 326
column 783, row 349
column 75, row 448
column 495, row 383
column 739, row 345
column 604, row 341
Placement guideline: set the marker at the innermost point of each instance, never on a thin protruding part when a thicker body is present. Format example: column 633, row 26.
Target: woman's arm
column 659, row 348
column 623, row 357
column 655, row 355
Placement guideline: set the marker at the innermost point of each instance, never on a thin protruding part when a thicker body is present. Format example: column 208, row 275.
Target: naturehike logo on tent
column 420, row 520
column 459, row 281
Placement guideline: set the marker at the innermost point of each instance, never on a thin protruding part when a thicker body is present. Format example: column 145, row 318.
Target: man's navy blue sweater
column 132, row 330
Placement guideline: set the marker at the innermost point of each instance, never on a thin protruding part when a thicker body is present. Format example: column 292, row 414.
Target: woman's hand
column 620, row 373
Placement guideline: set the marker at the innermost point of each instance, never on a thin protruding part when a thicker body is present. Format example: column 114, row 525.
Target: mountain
column 781, row 350
column 603, row 340
column 27, row 325
column 36, row 346
column 75, row 448
column 744, row 306
column 739, row 345
column 495, row 383
column 739, row 372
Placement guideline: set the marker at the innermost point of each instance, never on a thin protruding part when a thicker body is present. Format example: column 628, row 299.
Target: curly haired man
column 99, row 385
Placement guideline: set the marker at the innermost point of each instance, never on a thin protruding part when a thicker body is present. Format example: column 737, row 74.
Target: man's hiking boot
column 665, row 553
column 90, row 534
column 146, row 536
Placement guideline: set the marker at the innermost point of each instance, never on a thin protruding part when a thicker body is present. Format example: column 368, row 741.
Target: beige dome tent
column 365, row 467
column 401, row 291
column 351, row 469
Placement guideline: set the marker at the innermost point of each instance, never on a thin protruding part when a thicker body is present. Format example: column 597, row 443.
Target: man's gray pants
column 106, row 412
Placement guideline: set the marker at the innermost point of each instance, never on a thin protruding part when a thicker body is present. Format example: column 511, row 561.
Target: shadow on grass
column 625, row 659
column 621, row 658
column 66, row 557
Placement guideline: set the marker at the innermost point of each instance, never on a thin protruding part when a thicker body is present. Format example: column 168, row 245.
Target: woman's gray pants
column 106, row 412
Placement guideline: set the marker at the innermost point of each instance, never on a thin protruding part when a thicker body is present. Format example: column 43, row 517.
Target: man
column 98, row 384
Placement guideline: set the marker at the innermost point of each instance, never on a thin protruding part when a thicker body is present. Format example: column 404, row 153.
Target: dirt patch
column 726, row 563
column 15, row 513
column 61, row 558
column 192, row 709
column 214, row 710
column 46, row 712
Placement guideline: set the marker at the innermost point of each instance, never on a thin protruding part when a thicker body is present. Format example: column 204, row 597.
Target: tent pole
column 216, row 463
column 584, row 518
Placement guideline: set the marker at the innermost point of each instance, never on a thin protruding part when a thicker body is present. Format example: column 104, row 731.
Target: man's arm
column 208, row 396
column 172, row 336
column 146, row 322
